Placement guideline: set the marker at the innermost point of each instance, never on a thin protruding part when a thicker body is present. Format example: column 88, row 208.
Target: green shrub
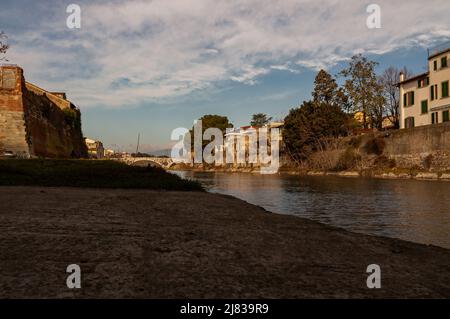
column 89, row 173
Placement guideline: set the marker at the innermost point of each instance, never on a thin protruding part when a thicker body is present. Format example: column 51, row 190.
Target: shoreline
column 392, row 174
column 172, row 244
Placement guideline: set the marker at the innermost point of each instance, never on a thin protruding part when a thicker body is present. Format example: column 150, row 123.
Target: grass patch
column 89, row 173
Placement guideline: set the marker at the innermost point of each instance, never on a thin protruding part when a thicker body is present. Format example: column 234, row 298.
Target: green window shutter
column 445, row 89
column 424, row 106
column 427, row 81
column 404, row 100
column 435, row 65
column 412, row 98
column 418, row 84
column 431, row 93
column 445, row 116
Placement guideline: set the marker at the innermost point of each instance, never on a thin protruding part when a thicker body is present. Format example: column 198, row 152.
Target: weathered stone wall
column 38, row 123
column 422, row 139
column 12, row 122
column 426, row 147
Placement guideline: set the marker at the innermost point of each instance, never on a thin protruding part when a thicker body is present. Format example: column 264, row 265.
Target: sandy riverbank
column 156, row 244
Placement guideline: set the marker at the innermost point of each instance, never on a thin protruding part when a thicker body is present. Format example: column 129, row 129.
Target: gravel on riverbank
column 161, row 244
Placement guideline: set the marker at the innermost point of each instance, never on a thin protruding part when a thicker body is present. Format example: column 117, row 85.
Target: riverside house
column 425, row 97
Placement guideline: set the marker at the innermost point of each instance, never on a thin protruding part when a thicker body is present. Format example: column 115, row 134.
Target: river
column 412, row 210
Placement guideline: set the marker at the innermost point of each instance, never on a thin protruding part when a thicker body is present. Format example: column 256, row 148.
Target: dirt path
column 150, row 244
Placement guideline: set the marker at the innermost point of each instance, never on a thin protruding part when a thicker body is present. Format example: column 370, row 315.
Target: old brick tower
column 37, row 123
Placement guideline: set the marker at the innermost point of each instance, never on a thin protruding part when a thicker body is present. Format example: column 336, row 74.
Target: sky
column 149, row 67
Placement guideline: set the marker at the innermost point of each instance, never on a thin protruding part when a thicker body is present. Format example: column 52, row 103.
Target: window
column 445, row 89
column 408, row 99
column 444, row 62
column 445, row 116
column 433, row 92
column 423, row 82
column 434, row 118
column 409, row 122
column 8, row 79
column 424, row 106
column 435, row 65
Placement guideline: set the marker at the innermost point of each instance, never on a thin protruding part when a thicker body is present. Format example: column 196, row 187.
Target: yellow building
column 424, row 98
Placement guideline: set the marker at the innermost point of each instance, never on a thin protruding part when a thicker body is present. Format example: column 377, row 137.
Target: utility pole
column 137, row 146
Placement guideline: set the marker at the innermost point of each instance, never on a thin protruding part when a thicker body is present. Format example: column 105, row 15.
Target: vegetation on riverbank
column 89, row 173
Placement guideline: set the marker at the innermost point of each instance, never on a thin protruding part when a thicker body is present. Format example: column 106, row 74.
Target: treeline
column 365, row 100
column 331, row 111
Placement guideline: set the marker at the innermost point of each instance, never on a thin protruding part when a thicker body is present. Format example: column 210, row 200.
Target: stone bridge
column 164, row 162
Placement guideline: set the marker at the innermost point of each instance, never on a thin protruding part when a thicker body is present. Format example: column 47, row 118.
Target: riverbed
column 135, row 243
column 413, row 210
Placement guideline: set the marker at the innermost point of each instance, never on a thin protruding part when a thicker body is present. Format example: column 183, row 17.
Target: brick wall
column 13, row 135
column 35, row 122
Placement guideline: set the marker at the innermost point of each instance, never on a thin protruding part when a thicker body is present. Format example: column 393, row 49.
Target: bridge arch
column 145, row 163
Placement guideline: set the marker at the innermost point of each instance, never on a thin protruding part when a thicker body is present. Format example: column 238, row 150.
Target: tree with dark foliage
column 309, row 127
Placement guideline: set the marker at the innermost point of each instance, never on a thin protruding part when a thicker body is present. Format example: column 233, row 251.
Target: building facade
column 95, row 148
column 424, row 98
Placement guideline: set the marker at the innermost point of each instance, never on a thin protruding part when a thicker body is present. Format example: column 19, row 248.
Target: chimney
column 402, row 76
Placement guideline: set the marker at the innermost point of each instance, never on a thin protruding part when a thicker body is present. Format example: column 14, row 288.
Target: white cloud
column 130, row 52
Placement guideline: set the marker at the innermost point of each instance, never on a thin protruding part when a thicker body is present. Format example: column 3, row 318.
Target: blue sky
column 152, row 66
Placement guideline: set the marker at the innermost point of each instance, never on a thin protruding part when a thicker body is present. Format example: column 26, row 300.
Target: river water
column 412, row 210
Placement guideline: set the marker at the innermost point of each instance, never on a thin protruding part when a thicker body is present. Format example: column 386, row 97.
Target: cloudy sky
column 152, row 66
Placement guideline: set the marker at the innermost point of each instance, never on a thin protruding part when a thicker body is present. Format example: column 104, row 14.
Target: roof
column 416, row 77
column 438, row 53
column 438, row 50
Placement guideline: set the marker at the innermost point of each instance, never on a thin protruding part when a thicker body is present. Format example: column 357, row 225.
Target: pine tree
column 325, row 88
column 260, row 119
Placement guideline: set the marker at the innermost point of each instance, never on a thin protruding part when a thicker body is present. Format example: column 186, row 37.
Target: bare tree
column 362, row 88
column 389, row 80
column 3, row 46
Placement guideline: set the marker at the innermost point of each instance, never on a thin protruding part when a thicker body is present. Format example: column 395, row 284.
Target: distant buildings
column 95, row 148
column 424, row 98
column 238, row 140
column 109, row 153
column 386, row 124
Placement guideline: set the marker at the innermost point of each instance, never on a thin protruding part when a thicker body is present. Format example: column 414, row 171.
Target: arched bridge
column 164, row 162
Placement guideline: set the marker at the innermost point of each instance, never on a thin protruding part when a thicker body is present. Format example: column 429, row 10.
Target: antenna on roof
column 137, row 145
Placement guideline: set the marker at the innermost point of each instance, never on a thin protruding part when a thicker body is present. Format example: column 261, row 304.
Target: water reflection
column 408, row 209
